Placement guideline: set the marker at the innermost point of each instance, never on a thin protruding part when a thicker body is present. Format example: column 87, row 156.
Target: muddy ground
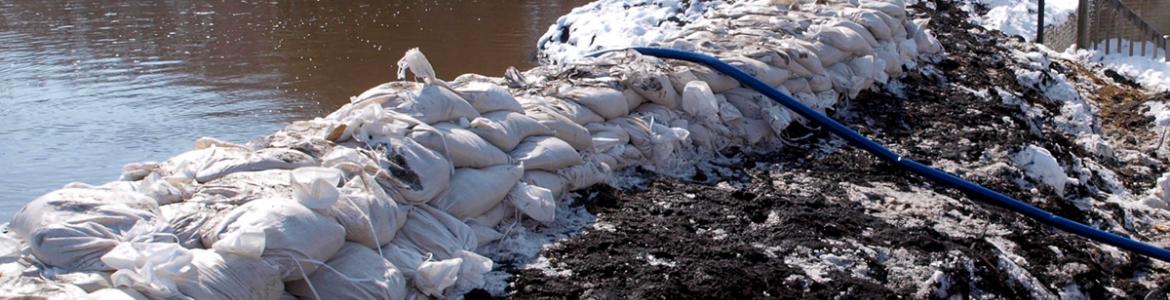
column 823, row 220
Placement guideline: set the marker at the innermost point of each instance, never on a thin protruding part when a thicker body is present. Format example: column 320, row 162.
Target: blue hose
column 869, row 145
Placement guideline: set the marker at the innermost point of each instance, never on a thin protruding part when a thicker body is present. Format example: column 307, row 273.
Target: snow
column 625, row 23
column 1015, row 17
column 1039, row 164
column 1161, row 113
column 1151, row 72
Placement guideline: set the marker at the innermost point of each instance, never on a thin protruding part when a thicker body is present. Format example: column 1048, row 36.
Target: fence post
column 1082, row 24
column 1166, row 48
column 1040, row 24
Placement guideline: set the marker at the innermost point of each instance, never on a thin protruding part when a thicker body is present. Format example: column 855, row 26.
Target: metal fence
column 1112, row 26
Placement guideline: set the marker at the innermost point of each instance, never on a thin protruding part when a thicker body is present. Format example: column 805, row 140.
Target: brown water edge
column 87, row 86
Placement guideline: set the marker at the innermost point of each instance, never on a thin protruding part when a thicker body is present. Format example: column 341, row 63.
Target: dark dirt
column 794, row 202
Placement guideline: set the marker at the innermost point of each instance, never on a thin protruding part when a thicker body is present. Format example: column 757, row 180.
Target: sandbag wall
column 391, row 195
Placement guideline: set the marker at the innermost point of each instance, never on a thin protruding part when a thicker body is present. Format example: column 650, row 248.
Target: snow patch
column 1039, row 164
column 1017, row 17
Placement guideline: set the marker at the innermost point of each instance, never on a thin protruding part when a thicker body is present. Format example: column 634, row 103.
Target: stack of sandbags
column 391, row 195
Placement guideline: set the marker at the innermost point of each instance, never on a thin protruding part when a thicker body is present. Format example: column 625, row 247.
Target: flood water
column 87, row 86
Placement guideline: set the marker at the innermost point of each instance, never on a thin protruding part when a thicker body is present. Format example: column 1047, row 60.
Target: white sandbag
column 655, row 87
column 496, row 214
column 505, row 129
column 716, row 80
column 870, row 20
column 464, row 148
column 760, row 70
column 484, row 234
column 607, row 102
column 606, row 136
column 536, row 202
column 486, row 97
column 892, row 10
column 830, row 55
column 562, row 127
column 416, row 173
column 431, row 230
column 217, row 275
column 137, row 171
column 352, row 161
column 191, row 162
column 633, row 99
column 578, row 113
column 417, row 63
column 73, row 228
column 639, row 131
column 865, row 68
column 545, row 153
column 355, row 272
column 805, row 54
column 844, row 81
column 315, row 187
column 585, row 175
column 294, row 234
column 433, row 104
column 475, row 191
column 242, row 187
column 699, row 101
column 264, row 159
column 797, row 85
column 162, row 190
column 370, row 217
column 857, row 29
column 658, row 113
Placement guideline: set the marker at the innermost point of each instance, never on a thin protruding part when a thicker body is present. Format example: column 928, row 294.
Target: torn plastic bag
column 355, row 272
column 417, row 63
column 370, row 216
column 293, row 234
column 545, row 153
column 149, row 268
column 73, row 228
column 475, row 191
column 464, row 148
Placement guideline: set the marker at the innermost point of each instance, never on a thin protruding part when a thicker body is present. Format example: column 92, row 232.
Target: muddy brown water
column 87, row 86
